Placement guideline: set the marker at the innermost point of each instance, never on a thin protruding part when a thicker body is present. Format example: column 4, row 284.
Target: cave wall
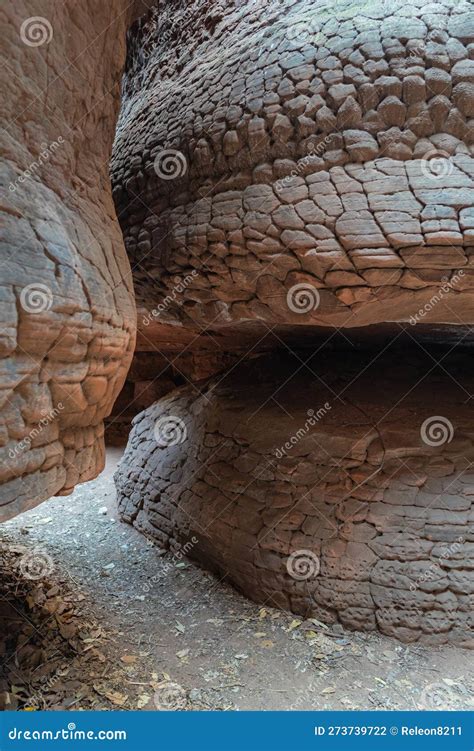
column 333, row 490
column 297, row 177
column 300, row 163
column 66, row 291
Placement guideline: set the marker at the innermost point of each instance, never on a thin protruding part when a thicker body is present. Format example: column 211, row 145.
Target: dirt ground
column 92, row 617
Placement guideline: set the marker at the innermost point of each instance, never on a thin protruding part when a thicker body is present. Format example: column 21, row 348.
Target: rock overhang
column 316, row 174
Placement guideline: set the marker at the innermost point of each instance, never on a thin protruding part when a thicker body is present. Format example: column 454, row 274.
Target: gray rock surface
column 324, row 485
column 266, row 145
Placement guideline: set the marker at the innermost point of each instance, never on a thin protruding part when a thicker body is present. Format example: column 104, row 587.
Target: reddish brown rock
column 330, row 144
column 280, row 173
column 66, row 295
column 342, row 490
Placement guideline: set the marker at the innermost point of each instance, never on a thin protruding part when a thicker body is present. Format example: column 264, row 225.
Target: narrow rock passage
column 118, row 625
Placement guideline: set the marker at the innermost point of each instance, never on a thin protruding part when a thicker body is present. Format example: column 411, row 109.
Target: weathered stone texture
column 321, row 144
column 66, row 295
column 388, row 515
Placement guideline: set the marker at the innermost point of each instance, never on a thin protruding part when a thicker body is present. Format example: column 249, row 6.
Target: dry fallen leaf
column 143, row 700
column 128, row 659
column 319, row 624
column 116, row 698
column 67, row 630
column 294, row 624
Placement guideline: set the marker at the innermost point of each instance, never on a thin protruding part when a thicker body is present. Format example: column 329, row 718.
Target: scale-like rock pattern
column 341, row 465
column 66, row 294
column 278, row 166
column 281, row 168
column 312, row 143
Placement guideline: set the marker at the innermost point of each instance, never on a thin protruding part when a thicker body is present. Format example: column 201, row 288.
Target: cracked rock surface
column 270, row 145
column 332, row 489
column 282, row 169
column 66, row 295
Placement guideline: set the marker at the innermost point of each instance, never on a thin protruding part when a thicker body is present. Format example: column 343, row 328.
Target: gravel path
column 111, row 623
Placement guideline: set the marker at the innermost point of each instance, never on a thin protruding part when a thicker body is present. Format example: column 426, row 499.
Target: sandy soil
column 104, row 621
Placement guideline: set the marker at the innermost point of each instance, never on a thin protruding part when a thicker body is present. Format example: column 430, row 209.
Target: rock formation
column 68, row 315
column 331, row 488
column 290, row 175
column 302, row 163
